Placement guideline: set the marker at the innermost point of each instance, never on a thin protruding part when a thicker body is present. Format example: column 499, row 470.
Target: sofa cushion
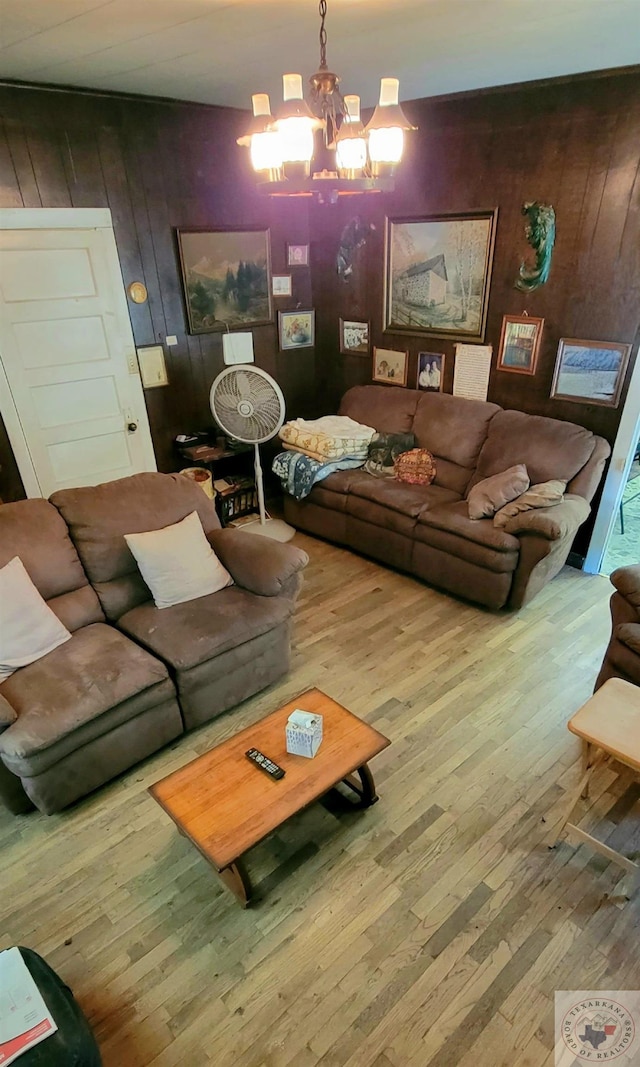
column 98, row 669
column 454, row 518
column 549, row 448
column 491, row 494
column 178, row 563
column 99, row 516
column 387, row 410
column 402, row 496
column 28, row 627
column 454, row 429
column 191, row 633
column 34, row 531
column 545, row 495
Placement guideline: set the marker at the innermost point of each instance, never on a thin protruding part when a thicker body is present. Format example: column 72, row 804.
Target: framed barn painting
column 590, row 372
column 226, row 277
column 437, row 274
column 520, row 343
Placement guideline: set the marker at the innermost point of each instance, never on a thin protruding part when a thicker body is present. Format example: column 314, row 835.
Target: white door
column 70, row 390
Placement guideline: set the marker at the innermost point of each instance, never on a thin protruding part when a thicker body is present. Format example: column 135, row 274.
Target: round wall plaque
column 138, row 292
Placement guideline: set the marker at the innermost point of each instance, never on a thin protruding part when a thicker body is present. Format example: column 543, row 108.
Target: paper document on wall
column 25, row 1020
column 471, row 371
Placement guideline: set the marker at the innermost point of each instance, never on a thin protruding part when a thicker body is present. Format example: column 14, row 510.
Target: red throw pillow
column 417, row 467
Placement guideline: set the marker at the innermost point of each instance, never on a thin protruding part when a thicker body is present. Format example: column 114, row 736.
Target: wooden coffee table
column 225, row 804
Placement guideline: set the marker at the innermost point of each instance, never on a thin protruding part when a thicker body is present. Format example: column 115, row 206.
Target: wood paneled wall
column 158, row 166
column 161, row 165
column 575, row 144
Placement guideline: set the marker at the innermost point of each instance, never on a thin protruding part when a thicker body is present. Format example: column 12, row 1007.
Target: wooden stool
column 609, row 726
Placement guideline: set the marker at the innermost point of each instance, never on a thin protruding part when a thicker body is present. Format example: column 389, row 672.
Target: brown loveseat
column 132, row 677
column 426, row 530
column 622, row 658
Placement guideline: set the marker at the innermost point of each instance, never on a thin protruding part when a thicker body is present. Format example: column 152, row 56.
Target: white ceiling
column 220, row 51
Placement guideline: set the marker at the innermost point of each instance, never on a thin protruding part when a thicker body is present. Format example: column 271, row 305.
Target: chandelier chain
column 322, row 9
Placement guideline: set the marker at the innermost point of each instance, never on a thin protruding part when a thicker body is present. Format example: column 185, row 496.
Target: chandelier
column 282, row 146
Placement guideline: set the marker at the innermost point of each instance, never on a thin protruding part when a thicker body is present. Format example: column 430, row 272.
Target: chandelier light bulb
column 386, row 129
column 296, row 125
column 265, row 147
column 351, row 141
column 292, row 87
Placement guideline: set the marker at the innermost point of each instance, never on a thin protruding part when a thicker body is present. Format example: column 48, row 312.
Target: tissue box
column 304, row 733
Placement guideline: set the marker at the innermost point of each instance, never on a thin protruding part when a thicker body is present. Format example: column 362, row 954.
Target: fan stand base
column 276, row 529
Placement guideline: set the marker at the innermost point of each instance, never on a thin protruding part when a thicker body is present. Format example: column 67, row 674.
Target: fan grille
column 247, row 404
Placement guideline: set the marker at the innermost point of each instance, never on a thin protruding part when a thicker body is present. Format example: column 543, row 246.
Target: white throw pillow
column 28, row 627
column 178, row 563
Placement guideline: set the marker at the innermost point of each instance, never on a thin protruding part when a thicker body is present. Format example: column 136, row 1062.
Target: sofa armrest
column 629, row 634
column 553, row 523
column 8, row 714
column 627, row 582
column 257, row 563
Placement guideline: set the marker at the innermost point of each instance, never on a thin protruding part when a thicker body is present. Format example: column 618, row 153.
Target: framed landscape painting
column 520, row 343
column 590, row 372
column 437, row 274
column 390, row 366
column 226, row 277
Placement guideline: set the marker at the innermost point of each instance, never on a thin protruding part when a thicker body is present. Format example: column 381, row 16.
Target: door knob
column 132, row 427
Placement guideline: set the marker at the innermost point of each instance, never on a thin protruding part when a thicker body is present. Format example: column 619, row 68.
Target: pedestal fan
column 248, row 404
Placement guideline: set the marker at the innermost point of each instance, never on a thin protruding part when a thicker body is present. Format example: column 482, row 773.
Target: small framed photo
column 297, row 329
column 281, row 284
column 297, row 255
column 430, row 371
column 390, row 366
column 519, row 343
column 590, row 372
column 354, row 338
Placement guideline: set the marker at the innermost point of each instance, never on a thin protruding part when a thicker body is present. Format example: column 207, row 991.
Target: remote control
column 264, row 763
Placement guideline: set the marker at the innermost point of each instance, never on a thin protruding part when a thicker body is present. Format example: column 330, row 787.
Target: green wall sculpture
column 541, row 234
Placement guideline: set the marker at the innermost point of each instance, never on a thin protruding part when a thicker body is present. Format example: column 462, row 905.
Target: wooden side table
column 609, row 727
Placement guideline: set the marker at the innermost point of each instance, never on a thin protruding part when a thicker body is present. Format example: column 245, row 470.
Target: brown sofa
column 132, row 677
column 426, row 530
column 622, row 658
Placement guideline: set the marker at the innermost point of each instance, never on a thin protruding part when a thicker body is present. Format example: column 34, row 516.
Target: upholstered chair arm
column 553, row 523
column 629, row 634
column 7, row 714
column 257, row 563
column 627, row 582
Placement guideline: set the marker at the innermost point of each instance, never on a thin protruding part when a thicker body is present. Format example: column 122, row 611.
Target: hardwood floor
column 428, row 931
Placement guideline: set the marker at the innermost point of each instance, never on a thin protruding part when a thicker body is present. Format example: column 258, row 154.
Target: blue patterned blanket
column 299, row 473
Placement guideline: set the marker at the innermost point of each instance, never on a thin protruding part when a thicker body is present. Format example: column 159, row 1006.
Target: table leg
column 590, row 763
column 365, row 789
column 586, row 763
column 236, row 879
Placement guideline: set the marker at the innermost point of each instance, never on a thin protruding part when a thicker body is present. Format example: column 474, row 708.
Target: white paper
column 471, row 371
column 237, row 348
column 25, row 1020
